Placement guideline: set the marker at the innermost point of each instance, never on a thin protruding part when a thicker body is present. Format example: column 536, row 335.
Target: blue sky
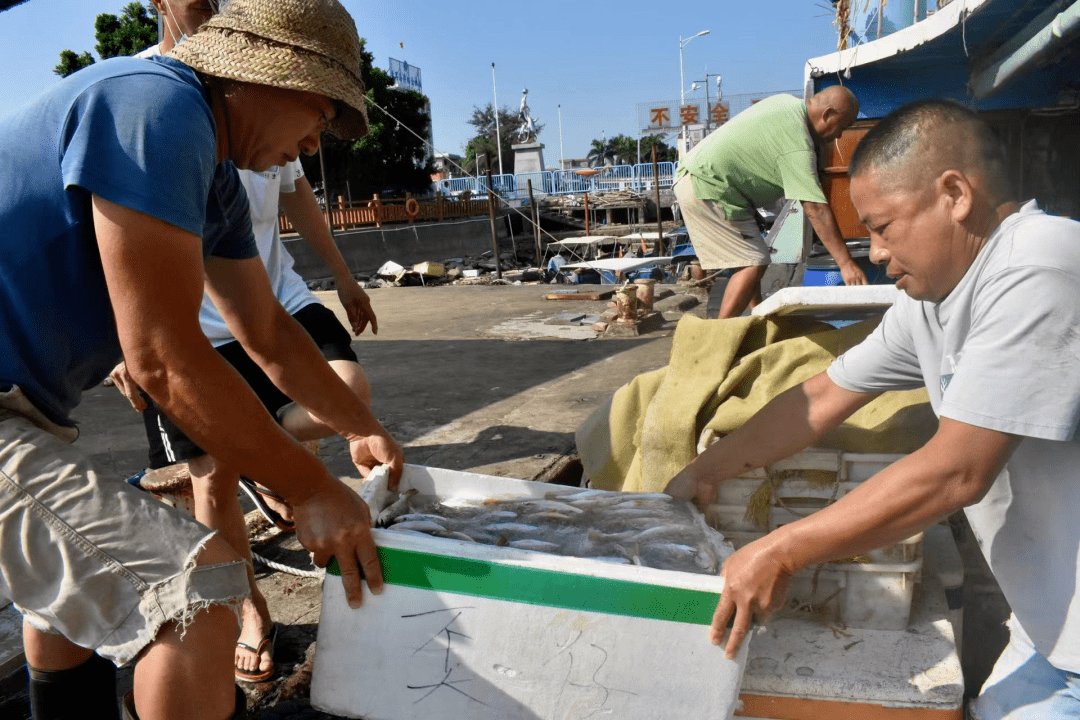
column 597, row 58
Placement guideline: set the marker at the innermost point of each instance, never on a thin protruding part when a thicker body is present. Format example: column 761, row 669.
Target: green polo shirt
column 764, row 153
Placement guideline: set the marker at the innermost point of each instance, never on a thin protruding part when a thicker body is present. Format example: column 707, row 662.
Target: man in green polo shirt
column 763, row 154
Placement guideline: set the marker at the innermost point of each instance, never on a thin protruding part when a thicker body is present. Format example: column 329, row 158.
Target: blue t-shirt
column 138, row 133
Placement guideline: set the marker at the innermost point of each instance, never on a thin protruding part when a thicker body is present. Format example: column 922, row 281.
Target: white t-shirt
column 262, row 190
column 289, row 288
column 1002, row 352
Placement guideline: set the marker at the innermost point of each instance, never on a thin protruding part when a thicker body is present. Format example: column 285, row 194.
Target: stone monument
column 528, row 153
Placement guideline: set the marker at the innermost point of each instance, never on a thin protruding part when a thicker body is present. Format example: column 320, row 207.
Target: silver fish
column 424, row 526
column 536, row 545
column 455, row 535
column 513, row 527
column 555, row 505
column 395, row 508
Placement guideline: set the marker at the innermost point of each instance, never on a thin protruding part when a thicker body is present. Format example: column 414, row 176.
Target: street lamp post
column 682, row 84
column 719, row 96
column 562, row 162
column 498, row 134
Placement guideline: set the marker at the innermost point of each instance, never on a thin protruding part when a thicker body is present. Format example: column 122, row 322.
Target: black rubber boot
column 239, row 714
column 84, row 691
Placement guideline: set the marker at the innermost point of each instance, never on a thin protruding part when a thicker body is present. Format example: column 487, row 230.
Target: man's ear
column 956, row 187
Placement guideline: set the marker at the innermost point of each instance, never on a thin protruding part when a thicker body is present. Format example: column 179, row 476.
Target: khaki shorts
column 95, row 560
column 720, row 243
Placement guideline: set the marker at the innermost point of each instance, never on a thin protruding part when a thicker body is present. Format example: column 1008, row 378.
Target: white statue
column 527, row 131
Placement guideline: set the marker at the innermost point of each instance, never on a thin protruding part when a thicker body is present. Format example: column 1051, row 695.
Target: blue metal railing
column 566, row 182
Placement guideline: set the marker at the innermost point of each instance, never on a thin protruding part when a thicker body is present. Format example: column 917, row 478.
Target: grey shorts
column 97, row 561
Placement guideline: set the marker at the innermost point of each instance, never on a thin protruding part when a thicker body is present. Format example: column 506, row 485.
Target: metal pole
column 536, row 224
column 659, row 222
column 498, row 133
column 682, row 101
column 561, row 156
column 706, row 106
column 494, row 232
column 325, row 191
column 586, row 212
column 682, row 89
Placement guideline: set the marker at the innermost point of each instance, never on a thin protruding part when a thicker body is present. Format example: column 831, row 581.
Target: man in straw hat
column 215, row 485
column 115, row 208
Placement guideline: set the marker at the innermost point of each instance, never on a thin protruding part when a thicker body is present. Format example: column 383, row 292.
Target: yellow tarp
column 721, row 372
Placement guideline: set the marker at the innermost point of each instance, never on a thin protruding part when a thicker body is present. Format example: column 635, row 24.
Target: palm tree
column 600, row 152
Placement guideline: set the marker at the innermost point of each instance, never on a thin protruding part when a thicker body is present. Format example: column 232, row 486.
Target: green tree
column 8, row 4
column 391, row 159
column 623, row 150
column 601, row 153
column 70, row 62
column 134, row 29
column 483, row 119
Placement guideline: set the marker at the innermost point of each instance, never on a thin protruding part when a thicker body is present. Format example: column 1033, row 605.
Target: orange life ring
column 412, row 208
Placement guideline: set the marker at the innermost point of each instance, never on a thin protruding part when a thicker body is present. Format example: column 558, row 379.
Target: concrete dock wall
column 366, row 250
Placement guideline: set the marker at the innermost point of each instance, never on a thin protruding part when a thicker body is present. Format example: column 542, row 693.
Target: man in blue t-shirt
column 114, row 209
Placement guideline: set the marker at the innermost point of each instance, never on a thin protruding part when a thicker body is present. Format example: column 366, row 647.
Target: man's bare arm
column 289, row 357
column 304, row 213
column 953, row 470
column 154, row 273
column 792, row 421
column 824, row 223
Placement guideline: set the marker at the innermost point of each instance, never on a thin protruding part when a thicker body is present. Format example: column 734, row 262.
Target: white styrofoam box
column 874, row 595
column 867, row 595
column 811, row 299
column 464, row 630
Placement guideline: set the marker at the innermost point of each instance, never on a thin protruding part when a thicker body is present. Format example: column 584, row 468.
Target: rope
column 317, row 574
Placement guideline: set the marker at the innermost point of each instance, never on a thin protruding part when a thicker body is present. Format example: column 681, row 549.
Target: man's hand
column 357, row 306
column 852, row 274
column 688, row 486
column 127, row 386
column 756, row 583
column 335, row 523
column 370, row 451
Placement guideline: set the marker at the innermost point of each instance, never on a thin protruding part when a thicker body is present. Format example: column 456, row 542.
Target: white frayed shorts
column 97, row 561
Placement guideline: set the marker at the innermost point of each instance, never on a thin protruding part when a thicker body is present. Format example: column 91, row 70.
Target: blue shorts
column 1025, row 686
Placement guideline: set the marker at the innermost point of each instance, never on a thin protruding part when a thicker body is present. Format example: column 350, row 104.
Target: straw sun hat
column 307, row 45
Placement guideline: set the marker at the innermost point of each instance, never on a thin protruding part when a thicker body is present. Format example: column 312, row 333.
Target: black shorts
column 169, row 444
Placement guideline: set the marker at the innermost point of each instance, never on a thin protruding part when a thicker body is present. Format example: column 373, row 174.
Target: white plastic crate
column 874, row 592
column 464, row 630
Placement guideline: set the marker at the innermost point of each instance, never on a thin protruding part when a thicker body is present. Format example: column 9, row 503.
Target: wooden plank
column 581, row 295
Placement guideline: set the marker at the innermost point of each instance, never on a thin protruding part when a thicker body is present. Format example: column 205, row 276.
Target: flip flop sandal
column 259, row 675
column 258, row 496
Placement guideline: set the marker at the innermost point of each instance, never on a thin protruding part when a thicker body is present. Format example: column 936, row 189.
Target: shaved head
column 831, row 111
column 837, row 97
column 918, row 142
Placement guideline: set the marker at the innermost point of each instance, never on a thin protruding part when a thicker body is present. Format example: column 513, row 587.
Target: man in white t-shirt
column 215, row 487
column 988, row 324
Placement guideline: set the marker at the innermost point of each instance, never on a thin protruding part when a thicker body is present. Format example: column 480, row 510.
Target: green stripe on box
column 535, row 586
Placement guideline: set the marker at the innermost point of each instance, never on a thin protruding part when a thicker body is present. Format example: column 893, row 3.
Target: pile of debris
column 602, row 199
column 453, row 271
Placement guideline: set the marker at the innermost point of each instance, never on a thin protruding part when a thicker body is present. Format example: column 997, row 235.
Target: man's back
column 762, row 154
